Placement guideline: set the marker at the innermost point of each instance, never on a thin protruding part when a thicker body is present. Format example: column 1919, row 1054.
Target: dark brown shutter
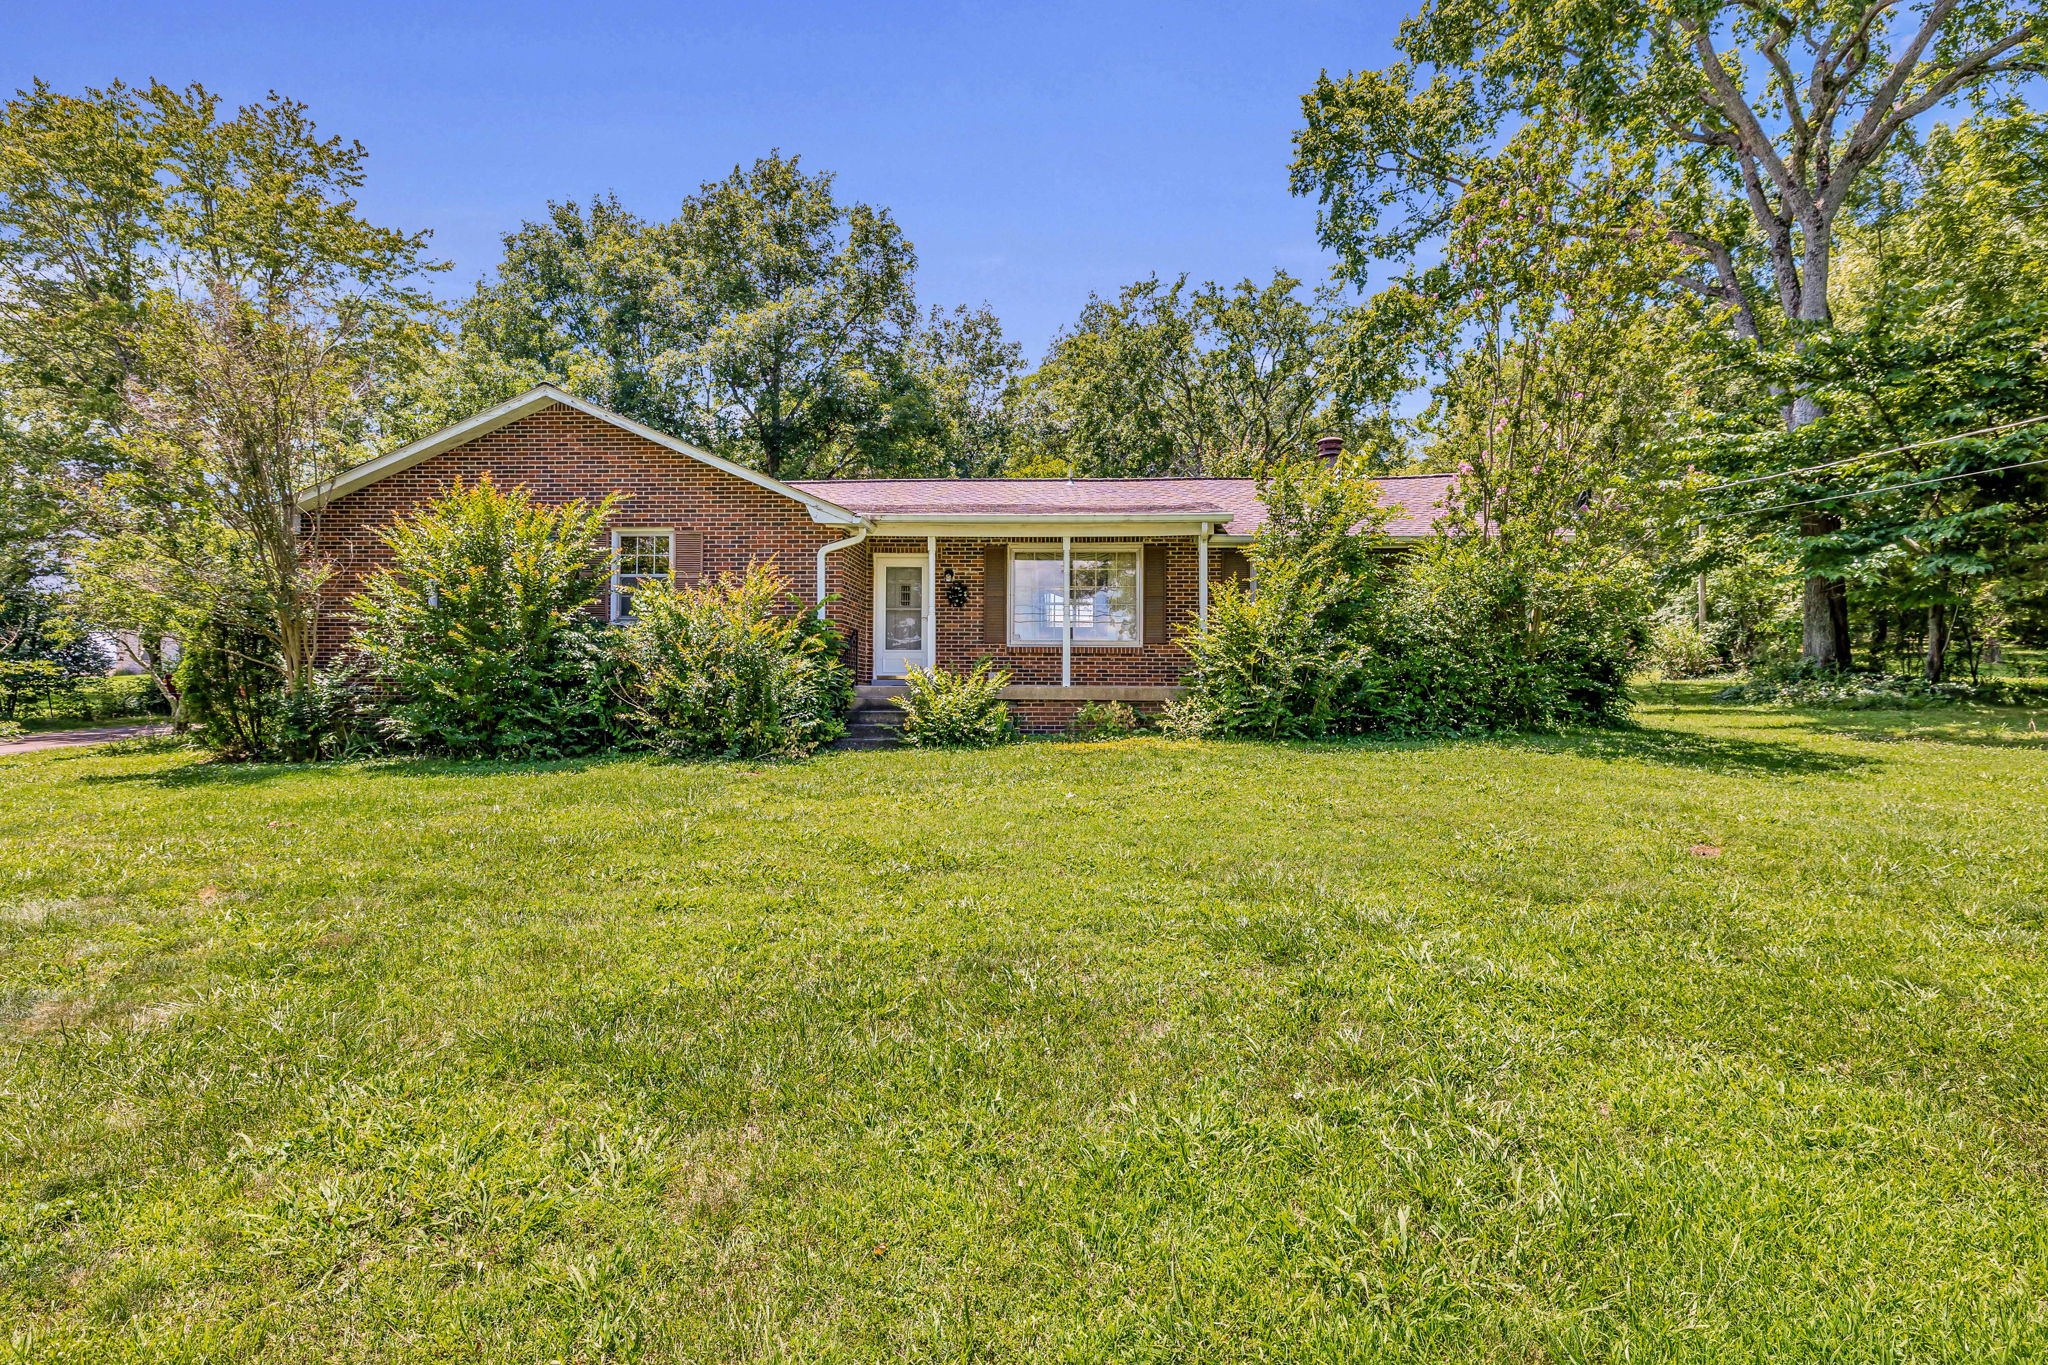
column 1155, row 594
column 995, row 594
column 686, row 555
column 1233, row 566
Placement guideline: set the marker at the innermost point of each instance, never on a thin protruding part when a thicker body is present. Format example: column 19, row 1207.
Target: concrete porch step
column 873, row 723
column 852, row 741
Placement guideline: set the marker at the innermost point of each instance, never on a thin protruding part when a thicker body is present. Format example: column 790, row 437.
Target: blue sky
column 1033, row 152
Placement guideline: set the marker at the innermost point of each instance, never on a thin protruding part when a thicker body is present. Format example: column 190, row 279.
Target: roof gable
column 822, row 509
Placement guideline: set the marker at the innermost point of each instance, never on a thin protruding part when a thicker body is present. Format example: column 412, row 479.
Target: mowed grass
column 1137, row 1051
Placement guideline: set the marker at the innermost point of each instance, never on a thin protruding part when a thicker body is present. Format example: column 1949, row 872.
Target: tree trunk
column 1824, row 609
column 1825, row 603
column 1937, row 641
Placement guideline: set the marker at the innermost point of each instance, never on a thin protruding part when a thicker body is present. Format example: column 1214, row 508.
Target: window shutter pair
column 1155, row 595
column 995, row 595
column 686, row 555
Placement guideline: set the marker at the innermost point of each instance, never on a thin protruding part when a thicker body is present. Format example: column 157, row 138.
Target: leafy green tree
column 1759, row 121
column 1168, row 379
column 80, row 207
column 798, row 311
column 1954, row 232
column 1942, row 308
column 969, row 376
column 580, row 297
column 1930, row 516
column 767, row 321
column 192, row 314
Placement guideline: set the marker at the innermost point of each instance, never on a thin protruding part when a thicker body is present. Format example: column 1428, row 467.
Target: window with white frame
column 643, row 557
column 1101, row 600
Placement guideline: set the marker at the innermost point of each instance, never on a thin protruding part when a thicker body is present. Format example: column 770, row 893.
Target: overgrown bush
column 1475, row 641
column 334, row 714
column 945, row 710
column 1678, row 650
column 231, row 686
column 1106, row 720
column 719, row 671
column 1268, row 665
column 1291, row 658
column 1460, row 636
column 481, row 628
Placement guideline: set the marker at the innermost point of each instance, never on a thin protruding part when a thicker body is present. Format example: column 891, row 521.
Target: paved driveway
column 66, row 739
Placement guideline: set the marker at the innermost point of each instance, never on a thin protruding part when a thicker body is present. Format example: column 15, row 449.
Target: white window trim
column 619, row 533
column 1010, row 626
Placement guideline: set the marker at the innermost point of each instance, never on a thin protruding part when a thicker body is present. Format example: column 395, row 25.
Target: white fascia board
column 532, row 401
column 1230, row 542
column 989, row 525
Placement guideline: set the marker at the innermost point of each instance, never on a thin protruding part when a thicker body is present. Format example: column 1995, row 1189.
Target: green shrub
column 333, row 715
column 1269, row 664
column 720, row 672
column 481, row 627
column 1678, row 650
column 945, row 710
column 1454, row 638
column 1477, row 642
column 1291, row 658
column 231, row 686
column 1831, row 689
column 10, row 729
column 1106, row 720
column 28, row 685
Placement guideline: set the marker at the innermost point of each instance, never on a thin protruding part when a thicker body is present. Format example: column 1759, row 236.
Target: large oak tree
column 1761, row 119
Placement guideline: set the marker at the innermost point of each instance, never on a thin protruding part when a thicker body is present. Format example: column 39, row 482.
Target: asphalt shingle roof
column 1418, row 498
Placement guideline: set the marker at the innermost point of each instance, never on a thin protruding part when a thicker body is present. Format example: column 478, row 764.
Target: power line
column 1873, row 492
column 1873, row 454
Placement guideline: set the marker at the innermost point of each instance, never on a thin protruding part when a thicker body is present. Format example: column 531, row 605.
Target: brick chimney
column 1330, row 448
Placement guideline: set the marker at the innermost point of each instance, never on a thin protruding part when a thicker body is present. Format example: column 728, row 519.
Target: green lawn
column 1140, row 1051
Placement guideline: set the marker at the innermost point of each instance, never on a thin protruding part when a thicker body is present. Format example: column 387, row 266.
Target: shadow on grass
column 214, row 772
column 1700, row 753
column 1979, row 726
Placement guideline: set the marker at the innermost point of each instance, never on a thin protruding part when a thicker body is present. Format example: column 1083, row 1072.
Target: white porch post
column 1067, row 612
column 1202, row 578
column 931, row 602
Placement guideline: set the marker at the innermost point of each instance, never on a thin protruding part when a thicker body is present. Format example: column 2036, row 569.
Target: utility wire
column 1873, row 492
column 1873, row 454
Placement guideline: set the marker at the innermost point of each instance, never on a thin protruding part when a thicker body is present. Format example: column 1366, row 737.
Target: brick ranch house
column 1073, row 585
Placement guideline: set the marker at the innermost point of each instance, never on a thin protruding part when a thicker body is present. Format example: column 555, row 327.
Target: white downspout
column 1067, row 612
column 931, row 602
column 1202, row 578
column 847, row 544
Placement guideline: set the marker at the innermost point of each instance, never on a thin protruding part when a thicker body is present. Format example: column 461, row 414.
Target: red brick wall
column 559, row 454
column 959, row 631
column 1057, row 717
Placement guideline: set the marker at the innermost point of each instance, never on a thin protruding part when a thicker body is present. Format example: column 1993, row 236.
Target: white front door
column 900, row 625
